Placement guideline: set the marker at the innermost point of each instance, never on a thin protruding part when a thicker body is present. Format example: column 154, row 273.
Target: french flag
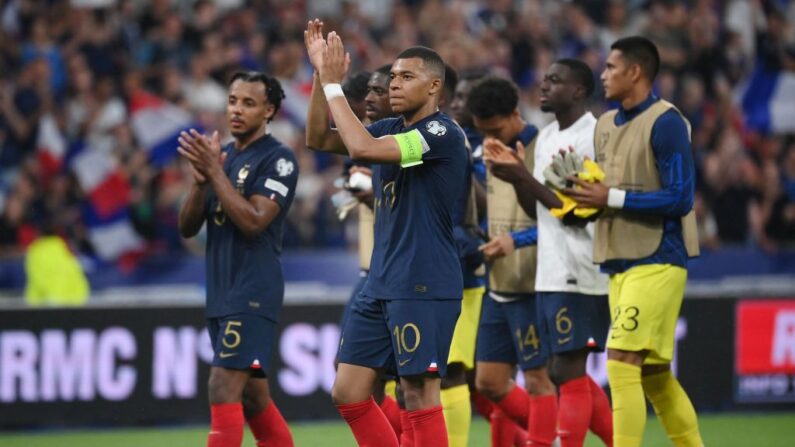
column 156, row 124
column 106, row 213
column 51, row 146
column 769, row 101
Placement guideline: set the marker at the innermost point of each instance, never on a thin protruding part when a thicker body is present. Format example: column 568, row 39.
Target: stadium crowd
column 70, row 69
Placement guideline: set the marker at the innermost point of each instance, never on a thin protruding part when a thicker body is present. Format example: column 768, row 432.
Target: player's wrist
column 616, row 198
column 333, row 90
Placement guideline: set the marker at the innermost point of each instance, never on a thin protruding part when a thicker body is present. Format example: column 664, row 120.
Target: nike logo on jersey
column 529, row 357
column 403, row 362
column 563, row 341
column 226, row 355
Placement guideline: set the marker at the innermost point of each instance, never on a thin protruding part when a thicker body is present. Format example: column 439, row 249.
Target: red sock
column 601, row 414
column 406, row 430
column 503, row 429
column 482, row 404
column 574, row 412
column 429, row 428
column 392, row 412
column 368, row 424
column 226, row 425
column 269, row 428
column 516, row 405
column 543, row 422
column 520, row 436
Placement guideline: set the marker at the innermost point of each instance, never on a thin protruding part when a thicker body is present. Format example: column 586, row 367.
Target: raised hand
column 315, row 43
column 335, row 60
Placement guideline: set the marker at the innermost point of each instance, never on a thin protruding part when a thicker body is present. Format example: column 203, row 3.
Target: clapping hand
column 315, row 43
column 204, row 153
column 504, row 163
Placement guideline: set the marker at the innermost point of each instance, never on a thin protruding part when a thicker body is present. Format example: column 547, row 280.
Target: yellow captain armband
column 412, row 146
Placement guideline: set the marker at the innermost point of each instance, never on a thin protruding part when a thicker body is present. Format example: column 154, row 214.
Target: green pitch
column 740, row 430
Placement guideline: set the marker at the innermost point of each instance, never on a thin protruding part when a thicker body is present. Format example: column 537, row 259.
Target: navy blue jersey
column 415, row 254
column 244, row 274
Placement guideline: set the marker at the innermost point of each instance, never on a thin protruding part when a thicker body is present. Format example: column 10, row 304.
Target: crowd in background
column 70, row 68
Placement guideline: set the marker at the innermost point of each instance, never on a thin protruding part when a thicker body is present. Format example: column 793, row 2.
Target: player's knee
column 420, row 392
column 491, row 387
column 538, row 383
column 220, row 389
column 564, row 368
column 341, row 395
column 254, row 403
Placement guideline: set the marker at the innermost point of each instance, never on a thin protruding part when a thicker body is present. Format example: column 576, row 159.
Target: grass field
column 740, row 430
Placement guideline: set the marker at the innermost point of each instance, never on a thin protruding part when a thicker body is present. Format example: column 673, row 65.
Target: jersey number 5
column 230, row 332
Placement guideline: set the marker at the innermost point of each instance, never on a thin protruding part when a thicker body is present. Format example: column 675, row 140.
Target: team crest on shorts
column 284, row 167
column 436, row 128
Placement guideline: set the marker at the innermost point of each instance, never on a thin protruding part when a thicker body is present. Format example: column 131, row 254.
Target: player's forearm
column 240, row 211
column 191, row 215
column 529, row 190
column 319, row 136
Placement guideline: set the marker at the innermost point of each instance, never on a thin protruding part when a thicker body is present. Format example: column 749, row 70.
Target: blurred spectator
column 54, row 274
column 74, row 74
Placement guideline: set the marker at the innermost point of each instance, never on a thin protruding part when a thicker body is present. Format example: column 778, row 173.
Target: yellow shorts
column 644, row 306
column 462, row 348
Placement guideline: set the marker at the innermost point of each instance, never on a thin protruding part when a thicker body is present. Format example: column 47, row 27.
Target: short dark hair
column 450, row 80
column 384, row 69
column 641, row 51
column 582, row 74
column 430, row 59
column 355, row 87
column 493, row 96
column 273, row 88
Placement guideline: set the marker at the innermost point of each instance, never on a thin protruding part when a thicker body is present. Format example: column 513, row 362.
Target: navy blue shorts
column 573, row 321
column 402, row 337
column 242, row 341
column 346, row 312
column 508, row 333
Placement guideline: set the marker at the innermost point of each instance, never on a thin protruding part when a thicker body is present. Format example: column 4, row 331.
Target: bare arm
column 319, row 135
column 251, row 216
column 192, row 212
column 331, row 62
column 360, row 144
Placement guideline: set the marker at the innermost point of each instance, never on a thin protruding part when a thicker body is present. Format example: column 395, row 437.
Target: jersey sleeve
column 525, row 237
column 379, row 128
column 277, row 180
column 670, row 142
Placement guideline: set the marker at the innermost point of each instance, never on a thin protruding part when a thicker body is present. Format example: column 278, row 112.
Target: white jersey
column 565, row 253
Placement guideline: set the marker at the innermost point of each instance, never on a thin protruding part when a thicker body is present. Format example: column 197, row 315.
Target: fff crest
column 243, row 173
